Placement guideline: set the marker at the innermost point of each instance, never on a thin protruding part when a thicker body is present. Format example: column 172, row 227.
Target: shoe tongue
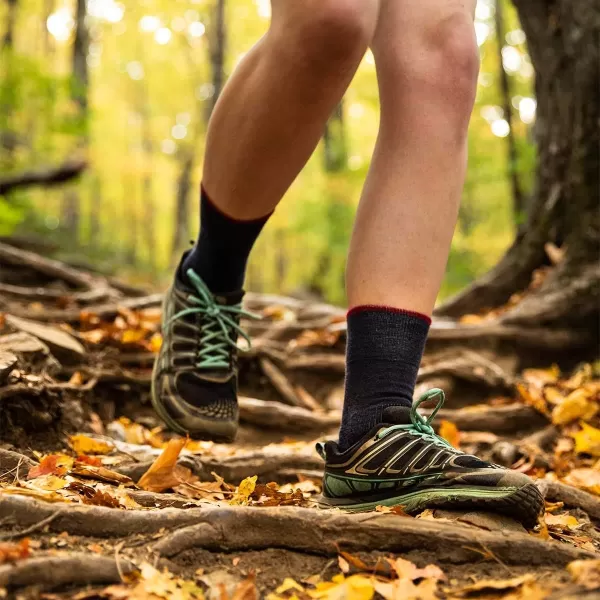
column 230, row 298
column 397, row 415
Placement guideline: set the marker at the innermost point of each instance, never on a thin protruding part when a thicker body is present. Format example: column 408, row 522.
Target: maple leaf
column 82, row 444
column 53, row 464
column 14, row 551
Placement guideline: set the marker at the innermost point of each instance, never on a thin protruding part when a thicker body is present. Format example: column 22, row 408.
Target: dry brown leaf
column 102, row 499
column 160, row 476
column 585, row 573
column 395, row 510
column 82, row 444
column 100, row 474
column 560, row 522
column 405, row 589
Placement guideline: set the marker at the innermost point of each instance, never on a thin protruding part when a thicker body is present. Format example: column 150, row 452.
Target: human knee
column 442, row 59
column 328, row 31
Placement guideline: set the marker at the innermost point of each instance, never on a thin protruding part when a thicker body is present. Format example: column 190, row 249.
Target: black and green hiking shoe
column 403, row 462
column 194, row 383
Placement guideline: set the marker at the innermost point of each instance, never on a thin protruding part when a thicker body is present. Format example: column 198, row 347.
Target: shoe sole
column 207, row 432
column 524, row 504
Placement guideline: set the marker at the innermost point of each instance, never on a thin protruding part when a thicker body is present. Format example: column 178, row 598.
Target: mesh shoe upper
column 194, row 381
column 406, row 455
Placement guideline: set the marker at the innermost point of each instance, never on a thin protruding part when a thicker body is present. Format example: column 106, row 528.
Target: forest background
column 128, row 88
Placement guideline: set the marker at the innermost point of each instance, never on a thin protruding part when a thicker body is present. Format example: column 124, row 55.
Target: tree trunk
column 511, row 145
column 217, row 46
column 563, row 40
column 79, row 94
column 181, row 236
column 11, row 17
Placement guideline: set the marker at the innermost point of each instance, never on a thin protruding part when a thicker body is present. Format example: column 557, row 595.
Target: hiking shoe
column 194, row 382
column 403, row 462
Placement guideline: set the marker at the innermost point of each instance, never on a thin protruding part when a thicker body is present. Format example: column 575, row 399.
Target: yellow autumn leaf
column 533, row 397
column 449, row 431
column 561, row 521
column 49, row 483
column 133, row 336
column 577, row 405
column 541, row 377
column 82, row 444
column 585, row 479
column 587, row 440
column 244, row 491
column 355, row 587
column 585, row 573
column 155, row 343
column 553, row 395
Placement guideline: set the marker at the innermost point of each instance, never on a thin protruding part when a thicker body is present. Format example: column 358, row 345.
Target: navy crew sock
column 384, row 350
column 221, row 252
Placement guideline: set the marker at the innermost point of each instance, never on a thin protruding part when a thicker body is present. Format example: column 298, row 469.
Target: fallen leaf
column 47, row 496
column 160, row 476
column 585, row 573
column 408, row 570
column 82, row 444
column 533, row 397
column 395, row 510
column 561, row 521
column 100, row 474
column 244, row 491
column 585, row 479
column 488, row 585
column 94, row 461
column 102, row 499
column 541, row 377
column 577, row 405
column 355, row 587
column 587, row 440
column 449, row 431
column 53, row 464
column 47, row 482
column 405, row 589
column 14, row 551
column 246, row 590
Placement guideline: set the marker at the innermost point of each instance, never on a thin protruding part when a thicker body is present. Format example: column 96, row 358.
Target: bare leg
column 427, row 63
column 272, row 112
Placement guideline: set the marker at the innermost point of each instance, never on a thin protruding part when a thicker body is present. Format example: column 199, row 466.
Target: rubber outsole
column 524, row 504
column 206, row 433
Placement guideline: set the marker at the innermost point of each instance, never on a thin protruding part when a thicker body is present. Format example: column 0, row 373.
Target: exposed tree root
column 273, row 414
column 319, row 532
column 71, row 569
column 571, row 496
column 13, row 465
column 46, row 176
column 325, row 532
column 52, row 268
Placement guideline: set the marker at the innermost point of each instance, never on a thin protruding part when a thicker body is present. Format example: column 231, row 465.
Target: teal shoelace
column 420, row 425
column 219, row 322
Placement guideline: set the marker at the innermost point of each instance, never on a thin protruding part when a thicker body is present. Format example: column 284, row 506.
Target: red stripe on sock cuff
column 224, row 214
column 391, row 309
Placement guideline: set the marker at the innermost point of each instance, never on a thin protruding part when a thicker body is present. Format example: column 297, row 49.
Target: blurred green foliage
column 150, row 81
